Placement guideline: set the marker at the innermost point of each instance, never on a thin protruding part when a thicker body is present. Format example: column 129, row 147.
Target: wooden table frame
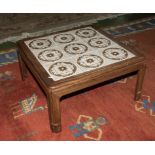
column 54, row 90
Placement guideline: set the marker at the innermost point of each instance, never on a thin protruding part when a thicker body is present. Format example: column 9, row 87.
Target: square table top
column 75, row 52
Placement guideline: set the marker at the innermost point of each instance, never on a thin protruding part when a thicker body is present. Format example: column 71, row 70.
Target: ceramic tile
column 62, row 68
column 74, row 52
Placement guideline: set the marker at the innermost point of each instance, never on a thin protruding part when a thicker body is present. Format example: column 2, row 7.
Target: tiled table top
column 75, row 52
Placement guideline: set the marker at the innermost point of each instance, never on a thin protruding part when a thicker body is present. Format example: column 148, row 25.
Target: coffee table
column 71, row 60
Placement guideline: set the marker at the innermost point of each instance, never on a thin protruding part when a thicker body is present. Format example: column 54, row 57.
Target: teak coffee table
column 68, row 61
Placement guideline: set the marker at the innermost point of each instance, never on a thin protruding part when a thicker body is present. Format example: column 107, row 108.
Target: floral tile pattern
column 77, row 51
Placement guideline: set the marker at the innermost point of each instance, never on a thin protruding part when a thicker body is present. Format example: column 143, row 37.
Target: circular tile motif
column 40, row 44
column 85, row 33
column 90, row 61
column 115, row 53
column 62, row 69
column 50, row 55
column 64, row 38
column 75, row 48
column 99, row 42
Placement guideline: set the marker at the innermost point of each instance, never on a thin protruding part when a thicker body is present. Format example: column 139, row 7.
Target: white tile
column 70, row 64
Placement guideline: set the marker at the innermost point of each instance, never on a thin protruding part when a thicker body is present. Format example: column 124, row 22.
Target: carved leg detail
column 54, row 112
column 23, row 68
column 140, row 79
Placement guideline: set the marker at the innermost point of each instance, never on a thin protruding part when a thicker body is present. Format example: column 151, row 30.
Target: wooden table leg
column 140, row 78
column 23, row 68
column 54, row 112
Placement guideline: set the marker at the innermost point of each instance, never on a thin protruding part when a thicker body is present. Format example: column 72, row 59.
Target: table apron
column 73, row 86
